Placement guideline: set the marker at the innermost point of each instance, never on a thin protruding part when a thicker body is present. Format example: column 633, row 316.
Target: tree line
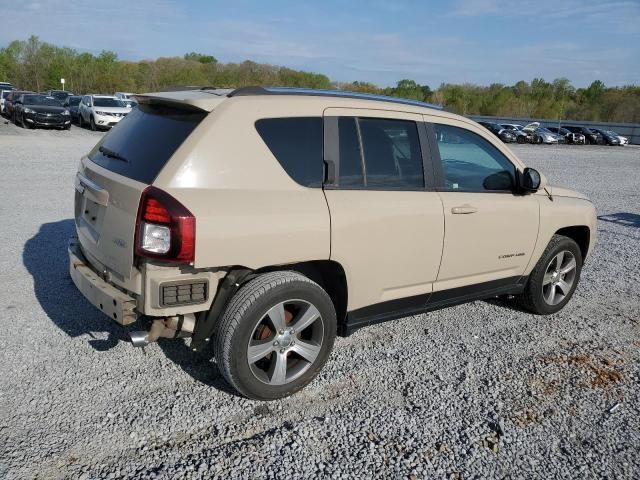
column 36, row 65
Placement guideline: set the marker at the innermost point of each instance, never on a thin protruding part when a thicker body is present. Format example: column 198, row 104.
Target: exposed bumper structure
column 104, row 296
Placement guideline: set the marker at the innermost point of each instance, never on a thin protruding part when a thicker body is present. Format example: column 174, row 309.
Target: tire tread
column 235, row 312
column 527, row 299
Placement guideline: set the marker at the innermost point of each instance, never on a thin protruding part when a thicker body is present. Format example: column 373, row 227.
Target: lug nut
column 282, row 350
column 275, row 344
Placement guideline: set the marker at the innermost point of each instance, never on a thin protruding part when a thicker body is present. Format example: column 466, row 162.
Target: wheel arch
column 329, row 274
column 581, row 234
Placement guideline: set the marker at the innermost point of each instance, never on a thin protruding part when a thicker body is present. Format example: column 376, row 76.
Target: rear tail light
column 165, row 229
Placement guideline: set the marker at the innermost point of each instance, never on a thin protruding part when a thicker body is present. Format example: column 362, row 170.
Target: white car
column 126, row 97
column 101, row 111
column 3, row 95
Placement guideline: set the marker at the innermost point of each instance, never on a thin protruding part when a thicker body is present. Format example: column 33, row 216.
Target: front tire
column 275, row 335
column 92, row 123
column 555, row 277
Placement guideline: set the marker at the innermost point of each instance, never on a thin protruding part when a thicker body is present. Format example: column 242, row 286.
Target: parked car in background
column 569, row 136
column 592, row 138
column 610, row 137
column 126, row 98
column 4, row 92
column 60, row 95
column 278, row 264
column 123, row 95
column 542, row 135
column 6, row 86
column 521, row 135
column 35, row 110
column 101, row 111
column 72, row 103
column 502, row 133
column 9, row 100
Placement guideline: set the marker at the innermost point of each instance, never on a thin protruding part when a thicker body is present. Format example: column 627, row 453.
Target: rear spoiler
column 169, row 102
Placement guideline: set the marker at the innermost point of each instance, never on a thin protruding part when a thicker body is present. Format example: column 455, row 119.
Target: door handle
column 464, row 209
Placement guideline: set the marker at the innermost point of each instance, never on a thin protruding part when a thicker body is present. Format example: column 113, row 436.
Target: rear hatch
column 112, row 177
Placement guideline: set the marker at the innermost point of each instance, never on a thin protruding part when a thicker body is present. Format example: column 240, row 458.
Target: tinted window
column 296, row 142
column 145, row 139
column 391, row 151
column 349, row 153
column 471, row 163
column 392, row 154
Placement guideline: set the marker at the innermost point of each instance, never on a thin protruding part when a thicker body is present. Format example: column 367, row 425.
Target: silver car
column 101, row 111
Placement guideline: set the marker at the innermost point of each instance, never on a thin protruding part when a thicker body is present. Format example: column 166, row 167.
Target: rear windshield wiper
column 111, row 154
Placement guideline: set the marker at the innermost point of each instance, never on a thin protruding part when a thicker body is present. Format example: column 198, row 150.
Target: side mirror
column 530, row 180
column 498, row 181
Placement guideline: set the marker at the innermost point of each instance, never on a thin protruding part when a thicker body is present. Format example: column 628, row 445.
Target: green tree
column 200, row 57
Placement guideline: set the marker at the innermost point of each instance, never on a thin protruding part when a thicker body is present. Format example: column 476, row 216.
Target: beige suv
column 266, row 221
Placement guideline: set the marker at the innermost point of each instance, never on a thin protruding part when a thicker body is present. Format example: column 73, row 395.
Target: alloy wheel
column 285, row 342
column 559, row 277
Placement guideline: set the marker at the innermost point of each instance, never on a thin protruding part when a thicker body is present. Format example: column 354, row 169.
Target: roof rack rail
column 257, row 90
column 184, row 88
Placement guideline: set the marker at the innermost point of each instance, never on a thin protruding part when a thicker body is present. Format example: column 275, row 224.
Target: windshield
column 107, row 102
column 41, row 100
column 73, row 101
column 6, row 93
column 611, row 132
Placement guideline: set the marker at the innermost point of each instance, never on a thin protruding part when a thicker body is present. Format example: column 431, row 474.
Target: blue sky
column 381, row 41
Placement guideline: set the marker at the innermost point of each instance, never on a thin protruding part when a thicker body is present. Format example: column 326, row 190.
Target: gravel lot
column 476, row 391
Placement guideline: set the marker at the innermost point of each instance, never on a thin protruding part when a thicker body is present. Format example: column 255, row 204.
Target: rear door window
column 296, row 142
column 143, row 141
column 379, row 154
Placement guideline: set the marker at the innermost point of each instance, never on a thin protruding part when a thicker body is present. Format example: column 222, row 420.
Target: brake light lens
column 165, row 229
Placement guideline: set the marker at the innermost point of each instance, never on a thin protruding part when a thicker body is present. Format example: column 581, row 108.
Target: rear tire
column 554, row 278
column 275, row 335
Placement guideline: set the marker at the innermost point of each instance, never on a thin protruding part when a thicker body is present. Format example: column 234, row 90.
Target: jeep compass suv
column 266, row 221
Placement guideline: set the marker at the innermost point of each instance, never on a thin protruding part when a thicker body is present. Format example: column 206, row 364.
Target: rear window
column 296, row 142
column 141, row 144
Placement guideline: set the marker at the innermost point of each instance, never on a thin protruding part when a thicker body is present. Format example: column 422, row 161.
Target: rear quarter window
column 145, row 140
column 296, row 142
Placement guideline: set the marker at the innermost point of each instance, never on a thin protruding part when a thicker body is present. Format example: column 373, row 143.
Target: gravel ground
column 476, row 391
